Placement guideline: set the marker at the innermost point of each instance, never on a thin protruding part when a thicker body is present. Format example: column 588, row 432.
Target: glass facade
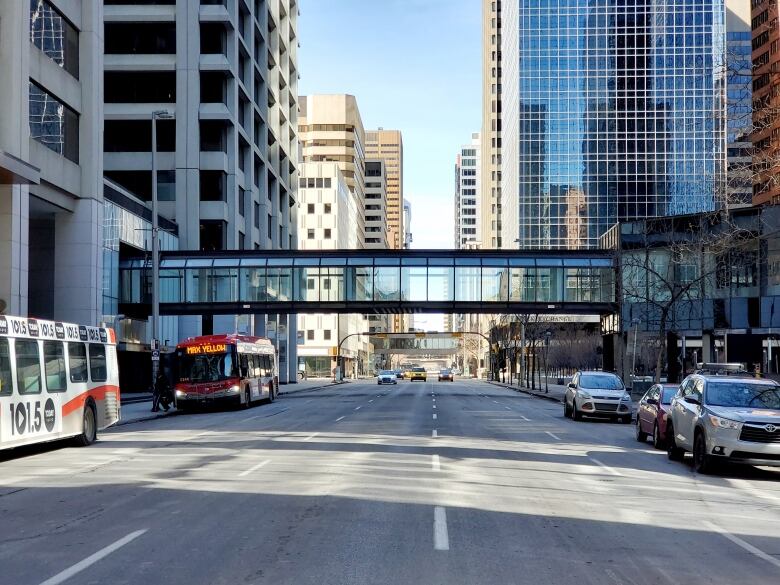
column 54, row 35
column 53, row 124
column 613, row 110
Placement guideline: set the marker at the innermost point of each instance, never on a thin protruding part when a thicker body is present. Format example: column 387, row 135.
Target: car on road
column 386, row 377
column 445, row 374
column 597, row 394
column 399, row 374
column 418, row 374
column 652, row 412
column 725, row 418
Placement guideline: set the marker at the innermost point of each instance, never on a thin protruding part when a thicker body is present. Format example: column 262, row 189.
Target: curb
column 528, row 392
column 173, row 412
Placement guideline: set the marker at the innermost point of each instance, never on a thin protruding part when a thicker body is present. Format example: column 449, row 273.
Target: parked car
column 652, row 413
column 725, row 418
column 399, row 374
column 445, row 374
column 418, row 374
column 386, row 377
column 599, row 394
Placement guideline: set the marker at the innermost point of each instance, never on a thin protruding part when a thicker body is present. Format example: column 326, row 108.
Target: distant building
column 490, row 163
column 468, row 171
column 739, row 174
column 388, row 145
column 407, row 224
column 766, row 101
column 377, row 235
column 327, row 220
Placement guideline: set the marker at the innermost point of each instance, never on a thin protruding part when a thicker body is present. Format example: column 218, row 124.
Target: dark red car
column 651, row 414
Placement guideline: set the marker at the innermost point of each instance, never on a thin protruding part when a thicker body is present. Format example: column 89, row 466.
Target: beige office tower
column 490, row 217
column 330, row 129
column 388, row 145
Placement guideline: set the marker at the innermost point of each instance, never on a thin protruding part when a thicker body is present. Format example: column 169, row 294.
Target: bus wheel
column 89, row 433
column 271, row 392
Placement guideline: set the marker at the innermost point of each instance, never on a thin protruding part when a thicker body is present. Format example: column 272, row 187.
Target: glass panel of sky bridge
column 441, row 283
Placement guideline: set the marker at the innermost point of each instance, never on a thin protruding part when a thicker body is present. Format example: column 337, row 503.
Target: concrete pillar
column 78, row 258
column 707, row 344
column 14, row 222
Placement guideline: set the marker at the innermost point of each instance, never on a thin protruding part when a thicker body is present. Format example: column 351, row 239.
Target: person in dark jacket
column 162, row 394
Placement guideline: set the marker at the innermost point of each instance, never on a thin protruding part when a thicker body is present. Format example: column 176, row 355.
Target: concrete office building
column 407, row 225
column 468, row 227
column 376, row 205
column 490, row 203
column 227, row 162
column 327, row 220
column 388, row 145
column 766, row 101
column 51, row 173
column 613, row 107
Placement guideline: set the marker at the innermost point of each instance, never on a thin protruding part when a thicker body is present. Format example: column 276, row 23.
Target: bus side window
column 266, row 365
column 5, row 368
column 97, row 362
column 252, row 366
column 28, row 366
column 77, row 360
column 54, row 366
column 245, row 365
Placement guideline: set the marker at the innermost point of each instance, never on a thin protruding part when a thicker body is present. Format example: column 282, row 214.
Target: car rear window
column 418, row 370
column 667, row 395
column 601, row 382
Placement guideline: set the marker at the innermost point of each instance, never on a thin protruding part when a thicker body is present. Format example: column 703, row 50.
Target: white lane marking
column 507, row 408
column 606, row 468
column 254, row 468
column 340, row 418
column 358, row 407
column 92, row 559
column 525, row 418
column 310, row 437
column 746, row 545
column 251, row 418
column 434, row 416
column 435, row 433
column 553, row 435
column 433, row 399
column 434, row 406
column 370, row 401
column 435, row 463
column 496, row 401
column 441, row 539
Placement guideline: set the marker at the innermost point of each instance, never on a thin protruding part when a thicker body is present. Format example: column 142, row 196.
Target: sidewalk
column 556, row 393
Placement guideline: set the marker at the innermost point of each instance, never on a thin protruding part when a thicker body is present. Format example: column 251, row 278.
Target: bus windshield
column 214, row 367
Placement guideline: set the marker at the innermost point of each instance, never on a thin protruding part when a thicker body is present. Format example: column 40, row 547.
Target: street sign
column 156, row 355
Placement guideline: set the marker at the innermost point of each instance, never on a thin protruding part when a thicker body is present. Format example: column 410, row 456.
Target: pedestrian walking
column 162, row 393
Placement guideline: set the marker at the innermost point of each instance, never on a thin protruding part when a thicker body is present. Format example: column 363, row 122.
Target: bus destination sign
column 207, row 348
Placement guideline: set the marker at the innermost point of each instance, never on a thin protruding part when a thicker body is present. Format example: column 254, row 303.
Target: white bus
column 57, row 380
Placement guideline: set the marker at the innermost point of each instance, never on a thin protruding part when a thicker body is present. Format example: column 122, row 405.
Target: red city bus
column 230, row 369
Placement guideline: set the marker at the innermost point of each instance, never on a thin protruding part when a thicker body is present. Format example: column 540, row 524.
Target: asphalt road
column 430, row 483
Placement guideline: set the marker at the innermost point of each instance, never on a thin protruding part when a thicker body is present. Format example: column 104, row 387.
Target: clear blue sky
column 413, row 65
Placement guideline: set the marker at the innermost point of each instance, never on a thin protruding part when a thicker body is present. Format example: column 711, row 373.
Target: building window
column 257, row 215
column 212, row 235
column 270, row 228
column 327, row 233
column 53, row 124
column 212, row 185
column 133, row 38
column 310, row 208
column 51, row 32
column 326, row 334
column 310, row 334
column 241, row 240
column 241, row 201
column 310, row 234
column 327, row 208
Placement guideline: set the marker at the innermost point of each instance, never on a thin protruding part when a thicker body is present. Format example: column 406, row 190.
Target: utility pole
column 155, row 345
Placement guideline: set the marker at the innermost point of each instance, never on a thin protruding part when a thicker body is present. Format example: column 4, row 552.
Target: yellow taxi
column 418, row 374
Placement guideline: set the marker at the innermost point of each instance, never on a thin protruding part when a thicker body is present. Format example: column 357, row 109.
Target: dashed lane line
column 254, row 468
column 340, row 418
column 310, row 437
column 434, row 416
column 441, row 538
column 434, row 434
column 435, row 463
column 553, row 435
column 606, row 468
column 746, row 545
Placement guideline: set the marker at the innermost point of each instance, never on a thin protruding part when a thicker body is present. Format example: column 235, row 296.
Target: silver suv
column 725, row 418
column 599, row 394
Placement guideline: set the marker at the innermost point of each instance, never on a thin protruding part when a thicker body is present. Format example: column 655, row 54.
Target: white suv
column 600, row 394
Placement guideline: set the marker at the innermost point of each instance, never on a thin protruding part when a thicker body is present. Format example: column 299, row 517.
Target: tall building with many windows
column 766, row 102
column 468, row 194
column 51, row 171
column 388, row 145
column 739, row 68
column 490, row 165
column 227, row 74
column 617, row 108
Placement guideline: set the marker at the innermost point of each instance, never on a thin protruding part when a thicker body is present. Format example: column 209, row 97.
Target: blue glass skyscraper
column 612, row 110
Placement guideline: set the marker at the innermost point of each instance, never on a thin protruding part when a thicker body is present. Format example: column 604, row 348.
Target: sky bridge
column 376, row 281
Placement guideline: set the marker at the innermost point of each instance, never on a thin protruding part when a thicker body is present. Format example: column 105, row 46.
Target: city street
column 428, row 483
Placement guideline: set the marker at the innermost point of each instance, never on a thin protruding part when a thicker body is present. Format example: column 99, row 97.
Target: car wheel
column 673, row 452
column 640, row 435
column 702, row 461
column 566, row 409
column 575, row 414
column 626, row 420
column 657, row 442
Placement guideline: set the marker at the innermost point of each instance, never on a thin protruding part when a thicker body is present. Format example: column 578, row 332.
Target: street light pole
column 160, row 114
